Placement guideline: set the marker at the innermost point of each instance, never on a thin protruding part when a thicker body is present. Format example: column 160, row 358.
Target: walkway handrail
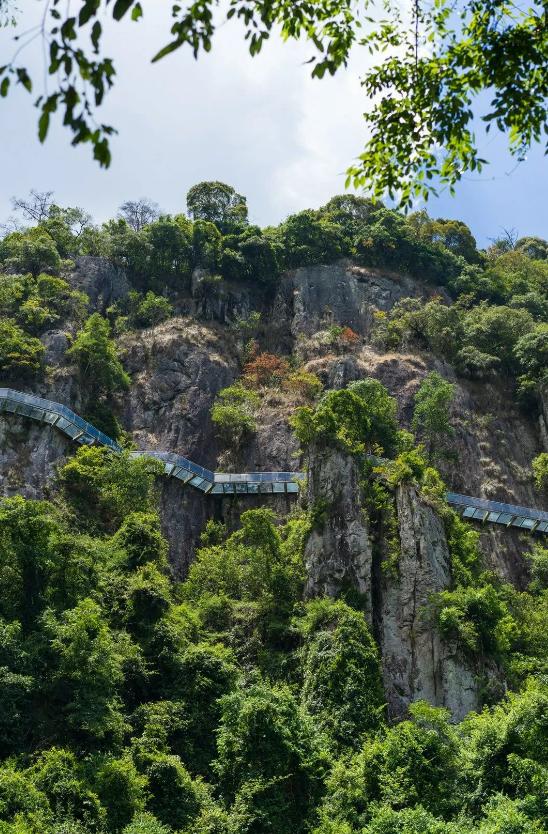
column 245, row 483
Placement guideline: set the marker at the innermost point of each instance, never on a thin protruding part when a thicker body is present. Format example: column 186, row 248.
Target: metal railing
column 245, row 483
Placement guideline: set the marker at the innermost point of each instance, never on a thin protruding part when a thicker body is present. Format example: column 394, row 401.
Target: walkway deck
column 247, row 483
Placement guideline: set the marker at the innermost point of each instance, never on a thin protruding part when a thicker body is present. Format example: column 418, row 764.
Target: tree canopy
column 436, row 68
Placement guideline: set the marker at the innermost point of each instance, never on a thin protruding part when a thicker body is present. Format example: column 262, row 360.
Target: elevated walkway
column 247, row 483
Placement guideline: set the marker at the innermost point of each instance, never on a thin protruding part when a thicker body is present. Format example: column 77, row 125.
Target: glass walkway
column 247, row 483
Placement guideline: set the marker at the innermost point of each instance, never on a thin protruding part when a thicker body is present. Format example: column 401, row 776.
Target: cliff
column 178, row 367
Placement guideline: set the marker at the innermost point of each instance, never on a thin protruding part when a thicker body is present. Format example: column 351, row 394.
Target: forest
column 134, row 701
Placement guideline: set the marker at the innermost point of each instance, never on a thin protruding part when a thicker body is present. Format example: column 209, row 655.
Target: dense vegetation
column 225, row 704
column 491, row 314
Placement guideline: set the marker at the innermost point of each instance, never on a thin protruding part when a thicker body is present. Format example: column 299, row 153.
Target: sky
column 261, row 124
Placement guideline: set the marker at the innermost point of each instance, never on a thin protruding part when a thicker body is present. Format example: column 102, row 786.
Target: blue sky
column 262, row 125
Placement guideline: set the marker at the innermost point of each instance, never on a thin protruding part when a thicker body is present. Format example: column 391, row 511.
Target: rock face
column 342, row 293
column 178, row 367
column 103, row 282
column 340, row 555
column 417, row 664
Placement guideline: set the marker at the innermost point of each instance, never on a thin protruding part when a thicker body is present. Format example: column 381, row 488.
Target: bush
column 306, row 385
column 175, row 798
column 341, row 673
column 97, row 358
column 20, row 354
column 232, row 414
column 540, row 470
column 265, row 369
column 148, row 311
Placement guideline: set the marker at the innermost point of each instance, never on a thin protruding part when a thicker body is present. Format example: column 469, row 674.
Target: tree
column 534, row 247
column 341, row 673
column 107, row 489
column 218, row 203
column 269, row 763
column 20, row 354
column 87, row 672
column 431, row 415
column 540, row 470
column 97, row 358
column 382, row 411
column 35, row 207
column 139, row 213
column 32, row 250
column 433, row 66
column 310, row 238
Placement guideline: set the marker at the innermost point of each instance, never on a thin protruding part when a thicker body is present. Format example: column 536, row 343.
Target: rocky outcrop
column 417, row 663
column 102, row 282
column 345, row 294
column 341, row 554
column 338, row 554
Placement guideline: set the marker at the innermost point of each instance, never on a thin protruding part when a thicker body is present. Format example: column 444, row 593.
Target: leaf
column 88, row 10
column 120, row 8
column 137, row 12
column 170, row 47
column 24, row 78
column 96, row 31
column 43, row 125
column 4, row 87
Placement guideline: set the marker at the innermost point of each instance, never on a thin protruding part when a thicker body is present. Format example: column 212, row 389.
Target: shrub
column 540, row 470
column 265, row 369
column 20, row 354
column 175, row 798
column 148, row 311
column 232, row 414
column 97, row 358
column 306, row 385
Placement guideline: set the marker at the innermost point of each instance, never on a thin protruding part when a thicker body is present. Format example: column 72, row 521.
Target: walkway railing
column 246, row 483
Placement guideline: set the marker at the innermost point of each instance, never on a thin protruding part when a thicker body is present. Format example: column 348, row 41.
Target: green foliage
column 142, row 311
column 86, row 673
column 157, row 254
column 382, row 411
column 146, row 824
column 341, row 417
column 20, row 354
column 232, row 414
column 37, row 303
column 341, row 674
column 306, row 384
column 495, row 331
column 359, row 418
column 33, row 251
column 308, row 238
column 269, row 761
column 540, row 470
column 218, row 203
column 95, row 353
column 121, row 791
column 104, row 489
column 531, row 351
column 175, row 798
column 431, row 416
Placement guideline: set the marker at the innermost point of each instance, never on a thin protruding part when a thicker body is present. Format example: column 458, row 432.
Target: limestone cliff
column 176, row 370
